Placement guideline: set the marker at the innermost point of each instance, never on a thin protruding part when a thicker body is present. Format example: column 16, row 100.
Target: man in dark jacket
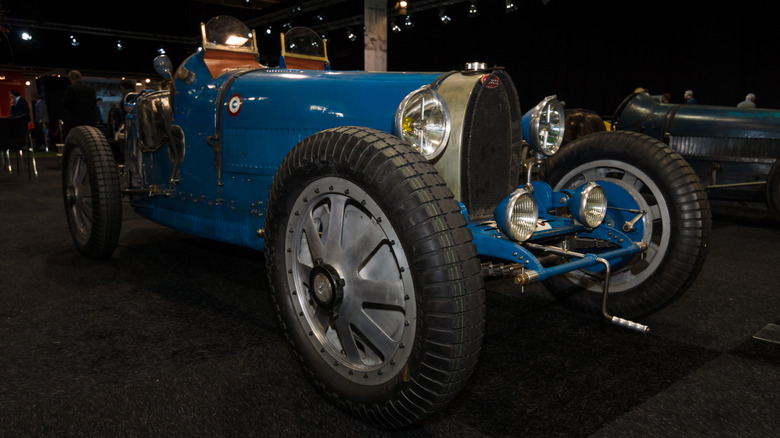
column 78, row 103
column 19, row 106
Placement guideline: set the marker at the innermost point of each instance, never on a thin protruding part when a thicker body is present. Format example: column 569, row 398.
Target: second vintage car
column 734, row 151
column 381, row 202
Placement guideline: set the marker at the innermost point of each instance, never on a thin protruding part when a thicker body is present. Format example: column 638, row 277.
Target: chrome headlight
column 423, row 121
column 516, row 216
column 588, row 204
column 547, row 126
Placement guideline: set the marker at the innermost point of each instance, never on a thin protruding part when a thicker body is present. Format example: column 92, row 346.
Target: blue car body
column 279, row 108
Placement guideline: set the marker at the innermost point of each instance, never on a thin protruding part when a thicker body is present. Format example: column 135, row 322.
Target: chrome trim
column 402, row 111
column 540, row 126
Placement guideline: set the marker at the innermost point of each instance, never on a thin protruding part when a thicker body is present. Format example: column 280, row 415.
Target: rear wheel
column 374, row 275
column 90, row 186
column 638, row 173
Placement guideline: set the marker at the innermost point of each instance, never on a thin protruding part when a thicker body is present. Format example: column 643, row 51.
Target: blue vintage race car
column 734, row 151
column 382, row 200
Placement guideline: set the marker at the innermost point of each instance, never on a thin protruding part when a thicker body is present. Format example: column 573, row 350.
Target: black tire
column 90, row 187
column 773, row 190
column 647, row 175
column 402, row 327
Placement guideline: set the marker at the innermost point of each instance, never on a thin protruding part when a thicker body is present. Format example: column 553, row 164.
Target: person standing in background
column 19, row 106
column 78, row 103
column 41, row 113
column 749, row 102
column 688, row 97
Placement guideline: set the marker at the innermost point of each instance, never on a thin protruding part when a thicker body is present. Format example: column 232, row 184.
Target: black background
column 591, row 54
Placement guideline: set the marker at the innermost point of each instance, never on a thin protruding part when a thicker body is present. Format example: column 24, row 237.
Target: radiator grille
column 492, row 139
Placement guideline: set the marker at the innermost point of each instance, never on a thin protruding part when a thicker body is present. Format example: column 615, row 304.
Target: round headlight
column 520, row 214
column 547, row 126
column 423, row 121
column 590, row 205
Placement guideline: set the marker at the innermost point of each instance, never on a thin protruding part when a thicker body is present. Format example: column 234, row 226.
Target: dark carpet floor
column 174, row 337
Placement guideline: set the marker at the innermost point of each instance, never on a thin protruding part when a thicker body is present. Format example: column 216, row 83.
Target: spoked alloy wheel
column 78, row 196
column 374, row 275
column 356, row 293
column 90, row 185
column 638, row 193
column 638, row 174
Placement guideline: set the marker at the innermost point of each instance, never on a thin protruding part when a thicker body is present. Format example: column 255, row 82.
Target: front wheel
column 374, row 275
column 642, row 176
column 90, row 186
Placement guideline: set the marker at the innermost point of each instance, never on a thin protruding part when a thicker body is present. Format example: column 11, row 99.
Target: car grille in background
column 492, row 138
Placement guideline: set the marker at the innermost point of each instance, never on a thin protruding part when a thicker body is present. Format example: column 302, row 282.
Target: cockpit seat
column 220, row 61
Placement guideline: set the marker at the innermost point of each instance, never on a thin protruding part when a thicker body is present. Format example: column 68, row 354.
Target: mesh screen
column 491, row 145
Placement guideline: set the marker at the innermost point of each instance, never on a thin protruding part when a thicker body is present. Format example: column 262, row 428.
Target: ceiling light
column 394, row 26
column 401, row 6
column 444, row 17
column 510, row 6
column 119, row 45
column 351, row 35
column 236, row 40
column 473, row 11
column 26, row 36
column 408, row 22
column 73, row 41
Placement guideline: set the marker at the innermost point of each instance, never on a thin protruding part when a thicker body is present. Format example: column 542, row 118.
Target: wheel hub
column 70, row 194
column 326, row 287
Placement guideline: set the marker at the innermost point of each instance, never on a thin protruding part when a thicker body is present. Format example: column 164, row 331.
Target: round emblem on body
column 234, row 104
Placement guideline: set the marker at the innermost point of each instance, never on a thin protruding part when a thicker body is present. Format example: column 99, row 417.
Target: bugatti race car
column 381, row 201
column 734, row 151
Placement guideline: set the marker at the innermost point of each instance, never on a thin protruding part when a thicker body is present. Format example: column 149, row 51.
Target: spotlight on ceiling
column 26, row 36
column 269, row 30
column 510, row 6
column 394, row 26
column 351, row 35
column 401, row 6
column 73, row 41
column 473, row 11
column 408, row 22
column 119, row 46
column 444, row 17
